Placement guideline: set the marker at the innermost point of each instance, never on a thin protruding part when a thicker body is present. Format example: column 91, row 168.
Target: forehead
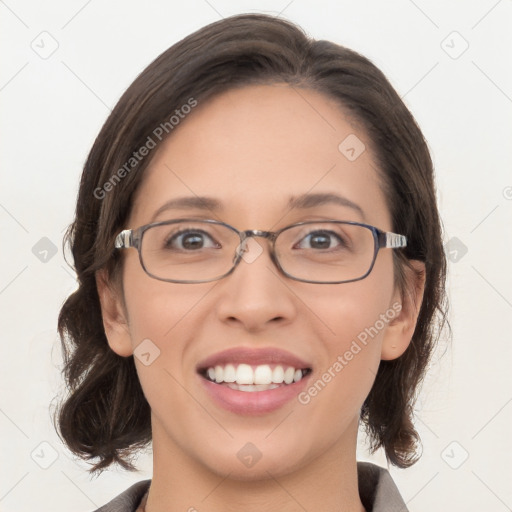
column 256, row 148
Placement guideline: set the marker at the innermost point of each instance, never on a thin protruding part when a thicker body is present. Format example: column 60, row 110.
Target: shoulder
column 377, row 489
column 129, row 500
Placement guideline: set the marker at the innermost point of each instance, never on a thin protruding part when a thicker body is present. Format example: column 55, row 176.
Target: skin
column 252, row 148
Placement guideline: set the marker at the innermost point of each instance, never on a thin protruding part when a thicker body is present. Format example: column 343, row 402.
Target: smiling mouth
column 251, row 378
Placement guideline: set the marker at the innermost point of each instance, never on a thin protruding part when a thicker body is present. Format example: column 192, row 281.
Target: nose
column 256, row 294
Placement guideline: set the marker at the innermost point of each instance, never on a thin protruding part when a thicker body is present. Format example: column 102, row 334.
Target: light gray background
column 52, row 109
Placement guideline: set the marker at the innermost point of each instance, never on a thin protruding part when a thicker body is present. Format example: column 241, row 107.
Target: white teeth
column 219, row 374
column 252, row 387
column 278, row 375
column 244, row 374
column 288, row 375
column 262, row 377
column 263, row 374
column 229, row 373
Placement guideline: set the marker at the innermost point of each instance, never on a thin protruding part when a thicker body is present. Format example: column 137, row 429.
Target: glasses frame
column 132, row 238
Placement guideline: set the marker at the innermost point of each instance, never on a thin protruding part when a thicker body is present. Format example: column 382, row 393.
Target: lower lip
column 253, row 402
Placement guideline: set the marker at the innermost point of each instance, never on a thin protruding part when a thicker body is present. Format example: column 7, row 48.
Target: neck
column 182, row 483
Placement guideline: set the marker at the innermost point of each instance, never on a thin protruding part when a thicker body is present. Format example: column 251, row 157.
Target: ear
column 400, row 329
column 114, row 316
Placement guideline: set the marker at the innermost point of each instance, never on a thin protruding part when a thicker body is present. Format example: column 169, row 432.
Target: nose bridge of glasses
column 248, row 233
column 245, row 237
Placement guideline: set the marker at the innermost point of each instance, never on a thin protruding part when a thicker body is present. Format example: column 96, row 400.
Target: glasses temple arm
column 124, row 240
column 392, row 240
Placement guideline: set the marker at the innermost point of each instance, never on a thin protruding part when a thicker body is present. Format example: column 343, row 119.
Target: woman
column 250, row 363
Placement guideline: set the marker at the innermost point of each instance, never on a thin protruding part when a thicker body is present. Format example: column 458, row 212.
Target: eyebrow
column 303, row 201
column 190, row 203
column 319, row 199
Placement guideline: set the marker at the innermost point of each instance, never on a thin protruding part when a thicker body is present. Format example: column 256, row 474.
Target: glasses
column 200, row 251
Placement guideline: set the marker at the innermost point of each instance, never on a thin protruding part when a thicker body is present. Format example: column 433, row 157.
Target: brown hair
column 106, row 415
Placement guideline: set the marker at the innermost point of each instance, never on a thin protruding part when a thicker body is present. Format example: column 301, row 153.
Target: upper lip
column 255, row 356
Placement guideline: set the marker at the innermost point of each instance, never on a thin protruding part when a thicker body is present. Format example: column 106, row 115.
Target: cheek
column 358, row 311
column 156, row 308
column 163, row 319
column 153, row 314
column 355, row 317
column 353, row 345
column 158, row 317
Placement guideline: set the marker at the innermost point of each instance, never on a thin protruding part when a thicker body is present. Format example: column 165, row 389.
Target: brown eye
column 321, row 240
column 190, row 240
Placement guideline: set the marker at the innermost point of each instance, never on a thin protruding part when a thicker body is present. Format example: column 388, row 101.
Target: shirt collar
column 377, row 489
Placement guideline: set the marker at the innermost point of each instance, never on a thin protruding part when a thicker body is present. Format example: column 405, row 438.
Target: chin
column 252, row 461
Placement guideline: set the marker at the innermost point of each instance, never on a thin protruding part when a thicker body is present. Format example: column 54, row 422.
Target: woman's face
column 253, row 150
